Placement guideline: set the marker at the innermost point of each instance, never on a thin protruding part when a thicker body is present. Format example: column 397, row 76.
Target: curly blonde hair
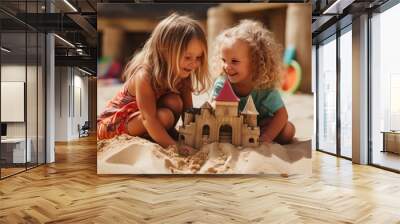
column 266, row 53
column 162, row 52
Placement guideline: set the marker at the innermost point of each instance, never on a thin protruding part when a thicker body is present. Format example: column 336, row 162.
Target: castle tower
column 188, row 117
column 205, row 106
column 226, row 102
column 250, row 113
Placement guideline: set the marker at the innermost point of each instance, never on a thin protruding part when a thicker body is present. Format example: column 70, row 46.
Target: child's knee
column 292, row 128
column 173, row 102
column 166, row 117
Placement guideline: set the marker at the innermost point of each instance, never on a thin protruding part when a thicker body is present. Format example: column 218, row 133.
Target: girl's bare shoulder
column 141, row 77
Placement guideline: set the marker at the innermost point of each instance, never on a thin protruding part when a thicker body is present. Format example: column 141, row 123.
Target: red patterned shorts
column 113, row 121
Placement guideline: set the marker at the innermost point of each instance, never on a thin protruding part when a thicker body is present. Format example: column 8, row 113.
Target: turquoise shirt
column 267, row 101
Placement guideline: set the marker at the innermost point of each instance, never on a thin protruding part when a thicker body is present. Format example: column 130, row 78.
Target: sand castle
column 206, row 125
column 125, row 154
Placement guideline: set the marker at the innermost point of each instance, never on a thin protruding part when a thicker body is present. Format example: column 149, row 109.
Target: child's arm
column 146, row 99
column 187, row 99
column 271, row 129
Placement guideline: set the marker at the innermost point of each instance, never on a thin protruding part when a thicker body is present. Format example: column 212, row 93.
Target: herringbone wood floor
column 70, row 191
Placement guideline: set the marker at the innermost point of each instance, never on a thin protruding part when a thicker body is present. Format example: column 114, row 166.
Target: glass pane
column 327, row 97
column 345, row 94
column 17, row 8
column 313, row 80
column 41, row 98
column 31, row 98
column 32, row 84
column 385, row 89
column 32, row 7
column 13, row 84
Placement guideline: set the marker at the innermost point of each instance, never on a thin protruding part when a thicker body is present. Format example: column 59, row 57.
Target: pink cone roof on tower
column 226, row 94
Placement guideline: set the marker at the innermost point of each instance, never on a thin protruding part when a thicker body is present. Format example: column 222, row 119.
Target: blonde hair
column 265, row 52
column 162, row 52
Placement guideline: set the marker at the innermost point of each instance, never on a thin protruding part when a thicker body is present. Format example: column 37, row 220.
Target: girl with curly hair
column 248, row 56
column 159, row 83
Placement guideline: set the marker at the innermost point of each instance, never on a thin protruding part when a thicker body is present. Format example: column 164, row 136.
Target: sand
column 133, row 155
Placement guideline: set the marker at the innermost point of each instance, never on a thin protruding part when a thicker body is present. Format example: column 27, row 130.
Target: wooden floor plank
column 70, row 191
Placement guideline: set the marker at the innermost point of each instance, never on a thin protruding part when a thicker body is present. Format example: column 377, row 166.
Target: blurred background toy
column 292, row 71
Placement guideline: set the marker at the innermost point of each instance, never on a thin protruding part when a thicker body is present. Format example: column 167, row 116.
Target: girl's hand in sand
column 186, row 150
column 265, row 140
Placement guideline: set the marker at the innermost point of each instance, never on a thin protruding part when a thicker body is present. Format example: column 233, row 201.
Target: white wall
column 80, row 85
column 61, row 103
column 14, row 73
column 70, row 83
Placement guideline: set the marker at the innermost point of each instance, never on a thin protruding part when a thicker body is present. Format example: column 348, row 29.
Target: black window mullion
column 26, row 87
column 37, row 91
column 369, row 91
column 338, row 76
column 45, row 94
column 45, row 87
column 317, row 96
